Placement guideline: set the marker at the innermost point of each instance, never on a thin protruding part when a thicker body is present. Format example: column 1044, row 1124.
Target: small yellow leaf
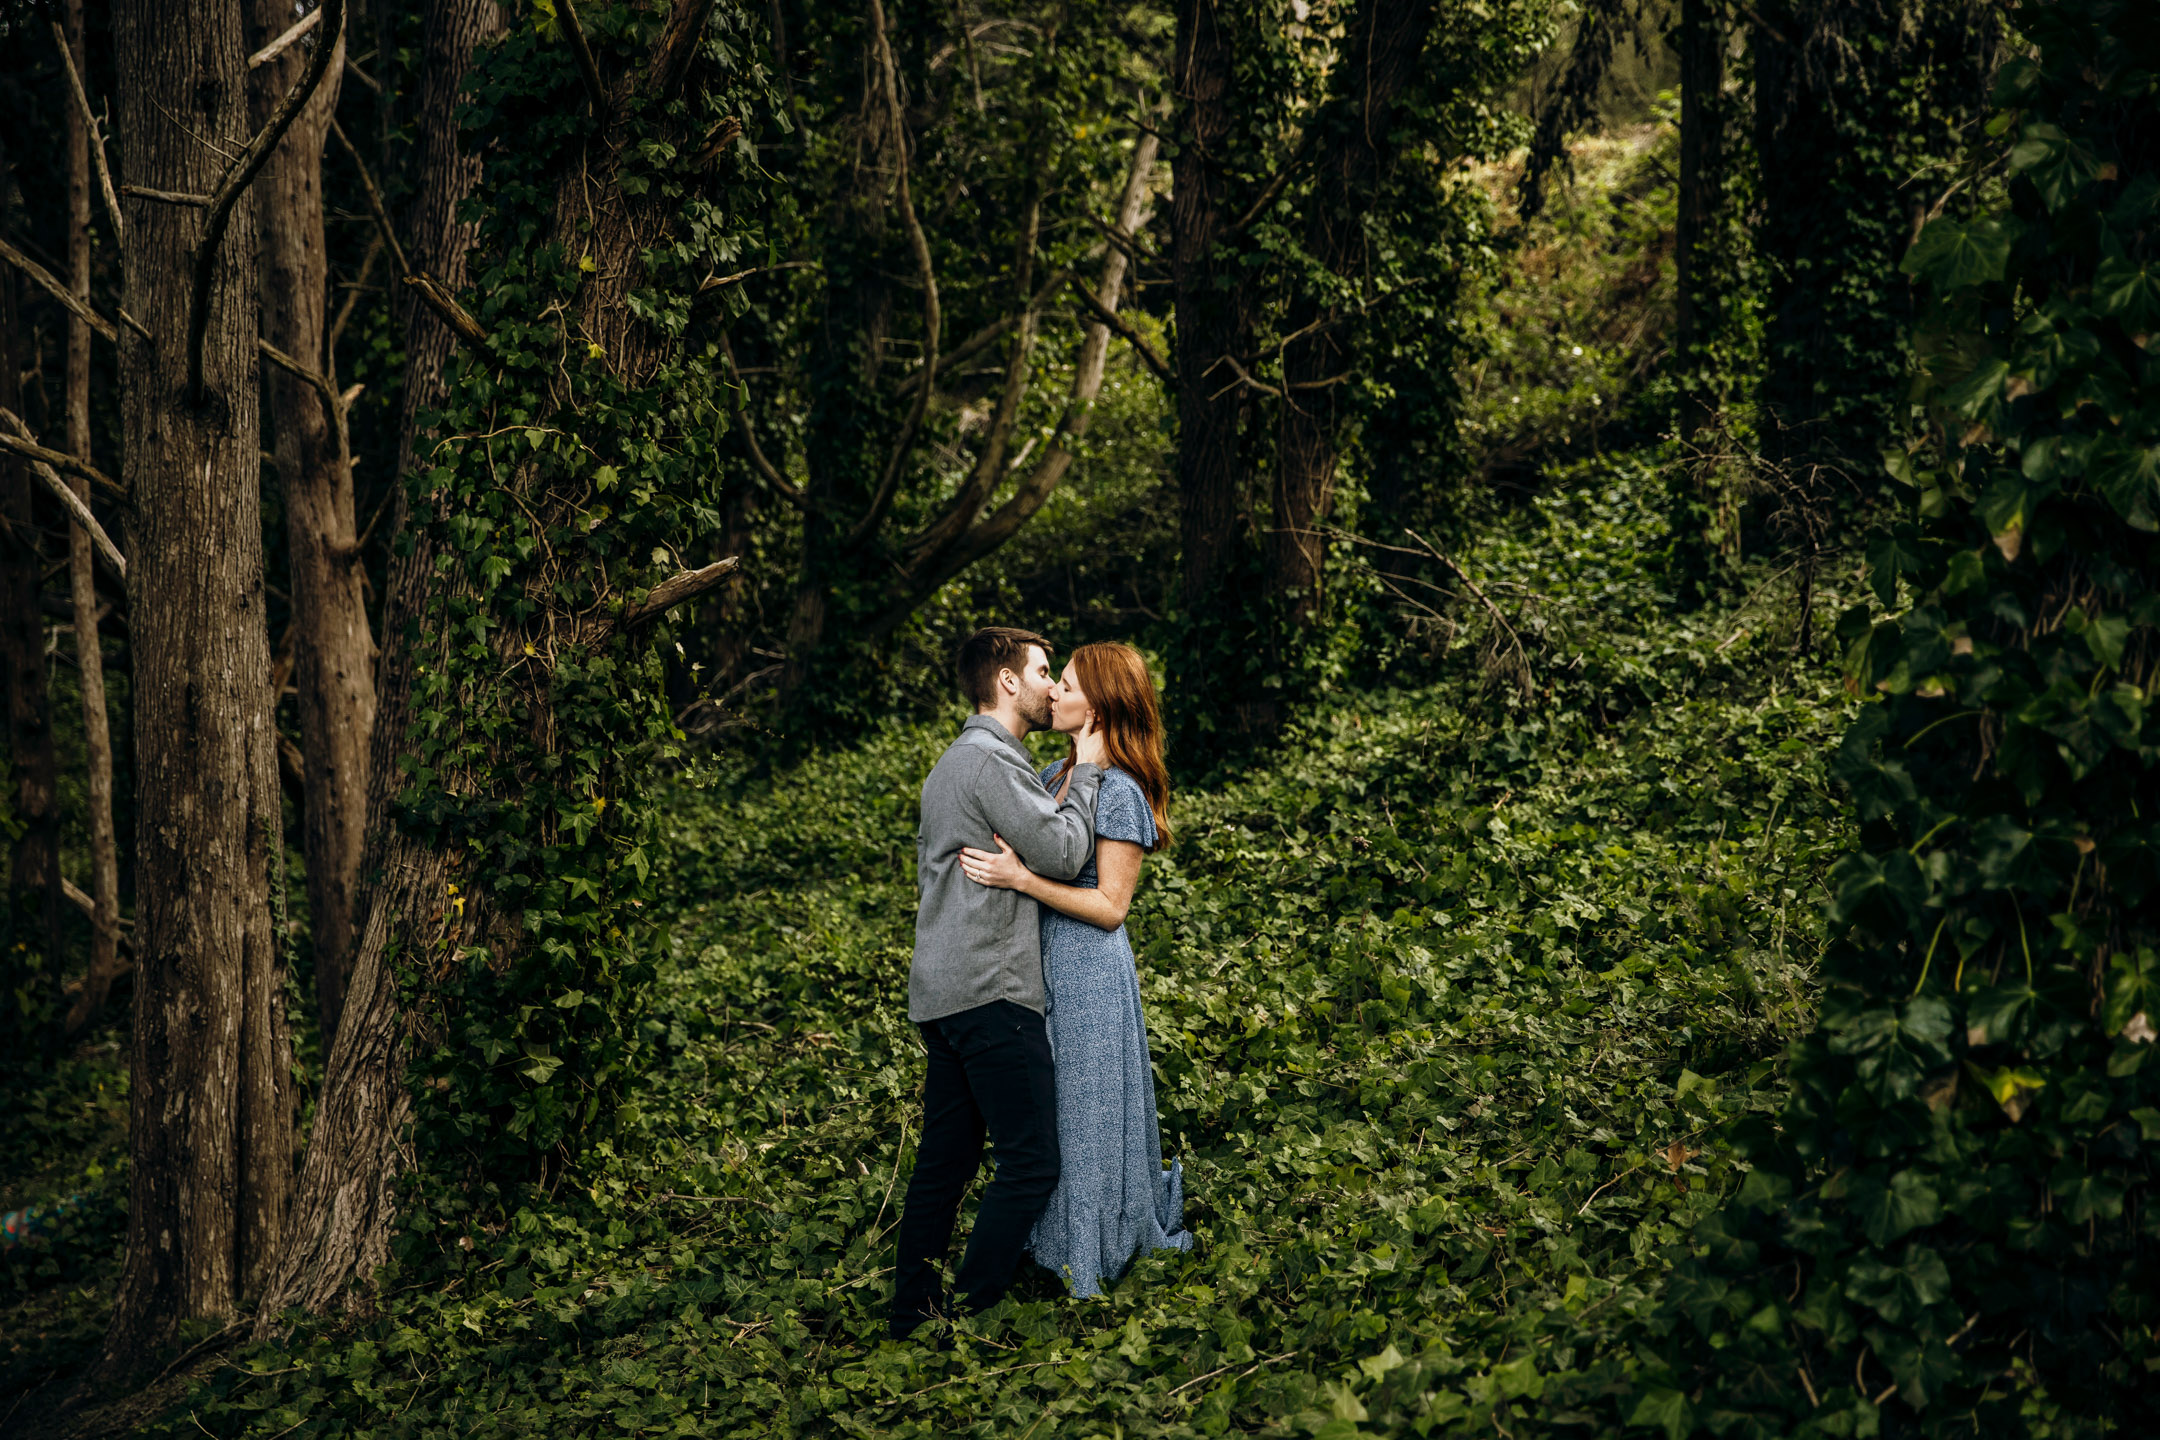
column 596, row 350
column 588, row 265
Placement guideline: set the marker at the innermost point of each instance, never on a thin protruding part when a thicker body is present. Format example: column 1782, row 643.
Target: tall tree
column 34, row 864
column 1214, row 304
column 332, row 651
column 342, row 1211
column 507, row 750
column 105, row 962
column 1859, row 104
column 211, row 1128
column 1352, row 143
column 1702, row 40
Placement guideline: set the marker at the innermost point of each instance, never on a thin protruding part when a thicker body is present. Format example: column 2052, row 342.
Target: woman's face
column 1068, row 705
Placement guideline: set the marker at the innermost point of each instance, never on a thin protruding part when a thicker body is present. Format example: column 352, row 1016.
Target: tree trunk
column 1387, row 39
column 34, row 867
column 82, row 578
column 1702, row 174
column 333, row 653
column 1213, row 320
column 211, row 1130
column 340, row 1228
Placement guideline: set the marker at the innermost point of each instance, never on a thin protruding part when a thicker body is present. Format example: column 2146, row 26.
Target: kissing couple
column 1023, row 982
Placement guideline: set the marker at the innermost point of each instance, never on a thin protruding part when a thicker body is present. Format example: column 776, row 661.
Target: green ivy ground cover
column 1450, row 1003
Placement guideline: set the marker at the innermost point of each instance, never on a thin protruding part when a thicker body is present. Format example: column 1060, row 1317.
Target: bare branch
column 16, row 436
column 285, row 41
column 1130, row 336
column 766, row 470
column 984, row 338
column 239, row 175
column 334, row 404
column 445, row 305
column 904, row 443
column 22, row 442
column 683, row 585
column 1244, row 377
column 164, row 197
column 678, row 46
column 51, row 283
column 374, row 200
column 721, row 282
column 97, row 135
column 566, row 11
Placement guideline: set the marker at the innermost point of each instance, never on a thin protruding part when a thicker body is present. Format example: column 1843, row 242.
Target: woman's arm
column 1117, row 873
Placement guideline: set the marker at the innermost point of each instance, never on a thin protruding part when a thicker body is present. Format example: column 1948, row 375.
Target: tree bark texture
column 1386, row 41
column 1702, row 173
column 339, row 1233
column 34, row 865
column 211, row 1127
column 333, row 654
column 1214, row 319
column 105, row 963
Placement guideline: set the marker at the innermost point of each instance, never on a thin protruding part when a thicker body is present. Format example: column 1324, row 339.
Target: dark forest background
column 1641, row 511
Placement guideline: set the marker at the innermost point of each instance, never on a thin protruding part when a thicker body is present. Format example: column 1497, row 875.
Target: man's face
column 1036, row 683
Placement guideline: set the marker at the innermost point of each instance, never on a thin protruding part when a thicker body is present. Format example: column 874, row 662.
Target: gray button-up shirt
column 975, row 944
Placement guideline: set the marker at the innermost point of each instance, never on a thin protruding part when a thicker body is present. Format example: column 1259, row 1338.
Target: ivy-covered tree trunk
column 504, row 855
column 1702, row 40
column 339, row 1232
column 333, row 652
column 1854, row 100
column 211, row 1127
column 1213, row 307
column 1951, row 1231
column 1387, row 39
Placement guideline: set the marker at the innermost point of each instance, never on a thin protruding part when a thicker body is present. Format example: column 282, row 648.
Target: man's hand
column 1000, row 869
column 1089, row 748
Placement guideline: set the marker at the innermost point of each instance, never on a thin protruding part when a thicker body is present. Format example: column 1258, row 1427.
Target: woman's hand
column 1000, row 869
column 1089, row 747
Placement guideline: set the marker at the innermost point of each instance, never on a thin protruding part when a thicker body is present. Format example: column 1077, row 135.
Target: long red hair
column 1115, row 680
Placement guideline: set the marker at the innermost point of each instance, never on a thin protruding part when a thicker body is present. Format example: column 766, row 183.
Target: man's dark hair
column 987, row 651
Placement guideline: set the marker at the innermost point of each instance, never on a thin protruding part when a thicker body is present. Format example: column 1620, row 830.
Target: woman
column 1114, row 1199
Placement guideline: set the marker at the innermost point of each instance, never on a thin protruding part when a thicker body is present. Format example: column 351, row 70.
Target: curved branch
column 1130, row 336
column 18, row 437
column 24, row 443
column 766, row 470
column 904, row 444
column 239, row 175
column 566, row 11
column 935, row 568
column 46, row 280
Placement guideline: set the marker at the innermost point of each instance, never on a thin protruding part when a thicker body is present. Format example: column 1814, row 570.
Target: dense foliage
column 1950, row 1232
column 1449, row 1005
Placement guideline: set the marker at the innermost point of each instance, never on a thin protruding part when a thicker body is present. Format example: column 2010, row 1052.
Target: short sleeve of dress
column 1121, row 811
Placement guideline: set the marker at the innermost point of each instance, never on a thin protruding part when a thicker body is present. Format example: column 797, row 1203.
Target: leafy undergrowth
column 1449, row 1005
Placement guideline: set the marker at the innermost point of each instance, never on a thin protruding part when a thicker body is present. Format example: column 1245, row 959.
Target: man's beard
column 1035, row 710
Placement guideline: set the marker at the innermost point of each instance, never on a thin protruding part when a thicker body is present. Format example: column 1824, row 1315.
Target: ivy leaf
column 2057, row 165
column 1952, row 254
column 2127, row 475
column 2133, row 989
column 2013, row 1087
column 1664, row 1409
column 2004, row 507
column 2128, row 291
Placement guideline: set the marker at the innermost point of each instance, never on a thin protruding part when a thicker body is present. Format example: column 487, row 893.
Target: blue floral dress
column 1114, row 1199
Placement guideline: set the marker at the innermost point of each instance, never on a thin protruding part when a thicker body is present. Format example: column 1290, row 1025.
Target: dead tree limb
column 97, row 136
column 18, row 437
column 677, row 589
column 1130, row 336
column 238, row 176
column 678, row 46
column 49, row 282
column 904, row 443
column 23, row 443
column 285, row 41
column 588, row 69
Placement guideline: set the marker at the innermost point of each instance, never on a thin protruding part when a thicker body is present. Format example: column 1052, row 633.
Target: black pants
column 990, row 1071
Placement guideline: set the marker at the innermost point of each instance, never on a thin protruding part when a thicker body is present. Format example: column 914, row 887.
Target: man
column 976, row 984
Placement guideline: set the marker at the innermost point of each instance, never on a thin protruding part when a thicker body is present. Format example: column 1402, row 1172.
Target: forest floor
column 1450, row 1001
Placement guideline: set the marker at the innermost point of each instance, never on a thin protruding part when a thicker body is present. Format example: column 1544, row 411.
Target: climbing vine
column 574, row 471
column 1950, row 1231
